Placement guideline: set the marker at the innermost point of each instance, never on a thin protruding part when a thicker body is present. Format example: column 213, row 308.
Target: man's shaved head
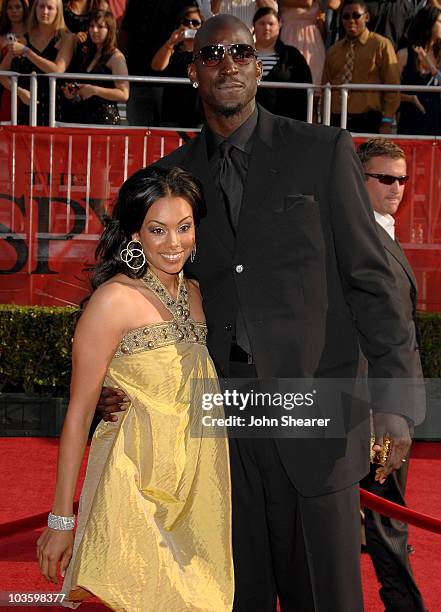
column 226, row 88
column 210, row 28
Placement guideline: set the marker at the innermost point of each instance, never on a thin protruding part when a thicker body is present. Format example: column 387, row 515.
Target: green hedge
column 429, row 327
column 35, row 348
column 35, row 345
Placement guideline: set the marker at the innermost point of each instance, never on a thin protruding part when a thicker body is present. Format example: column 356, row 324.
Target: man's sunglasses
column 389, row 179
column 191, row 22
column 212, row 55
column 356, row 16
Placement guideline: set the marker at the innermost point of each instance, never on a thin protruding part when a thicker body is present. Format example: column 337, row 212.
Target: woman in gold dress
column 154, row 525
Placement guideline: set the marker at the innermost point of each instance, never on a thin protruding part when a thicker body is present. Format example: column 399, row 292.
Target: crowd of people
column 299, row 41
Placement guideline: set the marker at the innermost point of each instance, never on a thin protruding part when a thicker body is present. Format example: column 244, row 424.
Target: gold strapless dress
column 154, row 525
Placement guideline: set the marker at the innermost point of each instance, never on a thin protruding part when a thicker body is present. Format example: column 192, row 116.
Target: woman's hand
column 418, row 104
column 426, row 59
column 53, row 547
column 86, row 91
column 24, row 95
column 80, row 37
column 16, row 48
column 176, row 37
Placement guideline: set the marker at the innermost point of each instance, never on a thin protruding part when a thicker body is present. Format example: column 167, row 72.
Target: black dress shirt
column 241, row 142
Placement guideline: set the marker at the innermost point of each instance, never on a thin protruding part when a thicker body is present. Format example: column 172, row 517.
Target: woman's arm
column 264, row 3
column 64, row 55
column 216, row 6
column 119, row 93
column 98, row 333
column 5, row 64
column 161, row 59
column 402, row 56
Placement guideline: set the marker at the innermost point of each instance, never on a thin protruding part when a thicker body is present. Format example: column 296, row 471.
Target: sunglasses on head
column 389, row 179
column 356, row 16
column 212, row 55
column 191, row 22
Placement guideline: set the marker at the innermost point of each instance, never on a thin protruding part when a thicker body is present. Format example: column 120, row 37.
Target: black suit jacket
column 407, row 288
column 313, row 279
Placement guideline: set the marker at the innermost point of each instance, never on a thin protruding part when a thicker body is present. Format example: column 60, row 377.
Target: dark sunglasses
column 389, row 179
column 191, row 22
column 212, row 55
column 356, row 16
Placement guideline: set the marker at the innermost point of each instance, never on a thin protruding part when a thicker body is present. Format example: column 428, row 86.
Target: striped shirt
column 269, row 60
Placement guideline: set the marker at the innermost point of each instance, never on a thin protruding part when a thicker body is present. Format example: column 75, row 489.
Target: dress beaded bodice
column 181, row 328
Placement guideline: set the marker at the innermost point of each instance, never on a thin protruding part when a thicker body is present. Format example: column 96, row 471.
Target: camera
column 72, row 87
column 189, row 33
column 11, row 38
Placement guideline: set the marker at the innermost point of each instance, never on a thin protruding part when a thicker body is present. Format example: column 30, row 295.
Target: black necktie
column 230, row 183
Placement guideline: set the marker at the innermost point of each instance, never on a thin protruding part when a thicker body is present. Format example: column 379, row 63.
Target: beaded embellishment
column 179, row 329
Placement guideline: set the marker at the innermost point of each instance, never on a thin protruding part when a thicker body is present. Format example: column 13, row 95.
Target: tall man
column 288, row 259
column 291, row 267
column 384, row 165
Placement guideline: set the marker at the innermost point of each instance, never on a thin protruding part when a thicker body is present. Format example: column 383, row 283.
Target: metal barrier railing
column 325, row 91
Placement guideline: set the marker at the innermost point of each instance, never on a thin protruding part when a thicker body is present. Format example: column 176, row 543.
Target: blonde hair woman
column 48, row 48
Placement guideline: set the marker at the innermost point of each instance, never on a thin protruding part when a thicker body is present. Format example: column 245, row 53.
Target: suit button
column 239, row 268
column 228, row 327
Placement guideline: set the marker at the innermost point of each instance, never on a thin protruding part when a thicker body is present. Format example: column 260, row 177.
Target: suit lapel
column 262, row 174
column 196, row 162
column 393, row 247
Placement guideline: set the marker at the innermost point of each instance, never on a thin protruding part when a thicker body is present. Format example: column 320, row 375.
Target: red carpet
column 26, row 488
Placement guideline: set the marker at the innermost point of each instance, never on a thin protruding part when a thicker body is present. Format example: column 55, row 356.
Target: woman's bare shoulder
column 193, row 286
column 118, row 297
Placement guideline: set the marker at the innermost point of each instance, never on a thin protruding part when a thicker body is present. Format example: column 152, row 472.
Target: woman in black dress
column 77, row 14
column 420, row 64
column 48, row 48
column 281, row 63
column 96, row 102
column 171, row 60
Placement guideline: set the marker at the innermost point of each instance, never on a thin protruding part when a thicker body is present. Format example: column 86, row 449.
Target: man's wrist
column 25, row 51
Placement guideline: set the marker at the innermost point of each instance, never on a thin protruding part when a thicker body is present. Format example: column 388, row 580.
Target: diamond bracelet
column 61, row 523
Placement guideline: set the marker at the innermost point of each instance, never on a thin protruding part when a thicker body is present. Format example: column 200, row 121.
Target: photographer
column 171, row 60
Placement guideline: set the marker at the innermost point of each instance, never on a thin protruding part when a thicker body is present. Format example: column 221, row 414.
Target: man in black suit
column 384, row 164
column 293, row 277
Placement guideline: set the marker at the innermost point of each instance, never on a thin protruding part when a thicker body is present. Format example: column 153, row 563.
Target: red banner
column 56, row 185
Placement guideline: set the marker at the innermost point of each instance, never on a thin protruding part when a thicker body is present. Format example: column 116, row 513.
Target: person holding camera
column 13, row 16
column 171, row 60
column 96, row 102
column 47, row 47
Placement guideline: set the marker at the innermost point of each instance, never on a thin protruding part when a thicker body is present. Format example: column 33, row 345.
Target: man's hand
column 396, row 428
column 111, row 400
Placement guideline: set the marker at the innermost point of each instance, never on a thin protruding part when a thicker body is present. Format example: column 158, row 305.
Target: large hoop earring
column 130, row 252
column 193, row 253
